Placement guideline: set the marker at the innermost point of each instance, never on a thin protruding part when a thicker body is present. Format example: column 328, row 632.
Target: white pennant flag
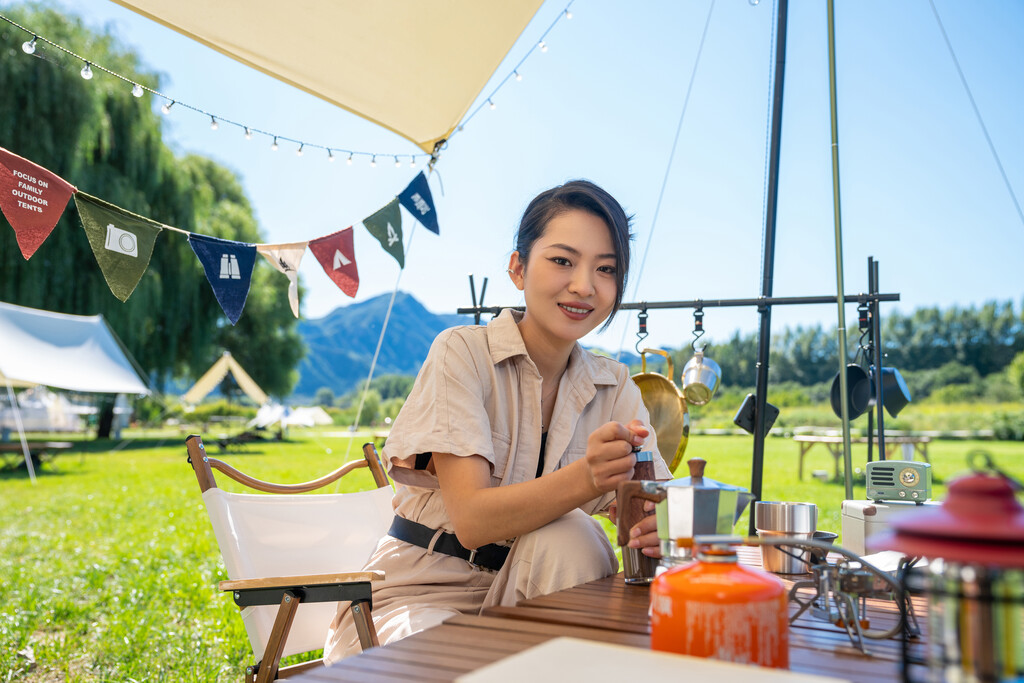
column 286, row 258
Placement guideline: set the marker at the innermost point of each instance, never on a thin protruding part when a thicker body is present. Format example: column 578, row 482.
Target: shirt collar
column 505, row 341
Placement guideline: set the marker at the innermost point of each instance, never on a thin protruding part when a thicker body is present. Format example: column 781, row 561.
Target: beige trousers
column 424, row 588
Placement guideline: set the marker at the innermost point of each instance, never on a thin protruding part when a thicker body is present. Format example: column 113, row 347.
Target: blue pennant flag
column 228, row 267
column 417, row 200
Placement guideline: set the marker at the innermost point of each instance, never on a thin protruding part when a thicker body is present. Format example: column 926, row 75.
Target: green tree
column 324, row 397
column 100, row 138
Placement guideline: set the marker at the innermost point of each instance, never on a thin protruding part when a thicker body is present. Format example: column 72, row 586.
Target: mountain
column 341, row 344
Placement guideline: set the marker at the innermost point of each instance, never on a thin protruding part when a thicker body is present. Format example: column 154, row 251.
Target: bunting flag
column 32, row 199
column 121, row 241
column 228, row 265
column 286, row 258
column 386, row 226
column 418, row 201
column 337, row 256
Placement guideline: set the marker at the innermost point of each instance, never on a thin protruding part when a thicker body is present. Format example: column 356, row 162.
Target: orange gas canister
column 715, row 607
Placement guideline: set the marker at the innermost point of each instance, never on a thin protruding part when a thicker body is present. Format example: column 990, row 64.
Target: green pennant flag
column 122, row 242
column 386, row 226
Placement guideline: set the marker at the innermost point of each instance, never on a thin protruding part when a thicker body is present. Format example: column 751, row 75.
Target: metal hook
column 698, row 328
column 988, row 465
column 642, row 333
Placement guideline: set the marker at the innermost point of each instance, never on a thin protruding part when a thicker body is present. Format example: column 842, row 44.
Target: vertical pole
column 837, row 218
column 876, row 343
column 767, row 269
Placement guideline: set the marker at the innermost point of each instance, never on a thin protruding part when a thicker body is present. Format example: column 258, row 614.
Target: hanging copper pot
column 667, row 407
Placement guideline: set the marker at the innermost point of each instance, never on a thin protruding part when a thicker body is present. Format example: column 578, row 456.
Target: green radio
column 899, row 480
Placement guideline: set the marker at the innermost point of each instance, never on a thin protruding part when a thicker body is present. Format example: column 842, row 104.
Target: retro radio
column 899, row 480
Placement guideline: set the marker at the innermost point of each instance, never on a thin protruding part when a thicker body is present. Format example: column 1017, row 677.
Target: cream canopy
column 412, row 66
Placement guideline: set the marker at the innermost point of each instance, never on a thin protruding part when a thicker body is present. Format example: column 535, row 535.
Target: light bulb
column 137, row 90
column 248, row 133
column 273, row 145
column 568, row 14
column 349, row 160
column 543, row 46
column 518, row 75
column 213, row 123
column 398, row 164
column 29, row 46
column 298, row 152
column 373, row 161
column 492, row 105
column 166, row 109
column 330, row 156
column 87, row 71
column 412, row 162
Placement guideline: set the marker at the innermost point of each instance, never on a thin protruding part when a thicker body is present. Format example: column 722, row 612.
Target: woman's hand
column 644, row 535
column 610, row 456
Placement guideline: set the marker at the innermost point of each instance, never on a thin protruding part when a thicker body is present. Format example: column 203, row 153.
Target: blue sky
column 921, row 191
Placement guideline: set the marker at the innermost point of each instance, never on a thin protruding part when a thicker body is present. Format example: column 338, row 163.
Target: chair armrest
column 306, row 580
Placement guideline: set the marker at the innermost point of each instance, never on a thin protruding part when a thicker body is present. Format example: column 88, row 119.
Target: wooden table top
column 608, row 611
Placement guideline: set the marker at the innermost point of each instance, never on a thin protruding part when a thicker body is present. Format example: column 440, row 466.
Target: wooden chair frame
column 288, row 592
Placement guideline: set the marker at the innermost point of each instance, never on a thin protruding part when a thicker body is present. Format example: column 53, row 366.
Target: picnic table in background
column 910, row 446
column 39, row 451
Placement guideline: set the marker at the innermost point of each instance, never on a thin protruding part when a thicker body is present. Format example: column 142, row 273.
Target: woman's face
column 569, row 281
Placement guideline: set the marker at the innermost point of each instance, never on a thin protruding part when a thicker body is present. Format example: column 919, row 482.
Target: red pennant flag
column 32, row 200
column 337, row 256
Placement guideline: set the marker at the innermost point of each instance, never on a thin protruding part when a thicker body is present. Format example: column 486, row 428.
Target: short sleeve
column 446, row 412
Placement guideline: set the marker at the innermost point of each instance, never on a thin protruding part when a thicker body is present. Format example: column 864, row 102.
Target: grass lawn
column 109, row 568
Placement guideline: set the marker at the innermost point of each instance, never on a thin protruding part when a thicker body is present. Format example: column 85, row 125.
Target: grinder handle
column 630, row 498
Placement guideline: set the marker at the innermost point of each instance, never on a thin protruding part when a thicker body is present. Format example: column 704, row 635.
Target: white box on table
column 863, row 518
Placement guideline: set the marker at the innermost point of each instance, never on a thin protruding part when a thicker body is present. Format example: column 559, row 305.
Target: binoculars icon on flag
column 229, row 267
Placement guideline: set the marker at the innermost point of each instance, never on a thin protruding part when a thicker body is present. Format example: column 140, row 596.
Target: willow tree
column 100, row 138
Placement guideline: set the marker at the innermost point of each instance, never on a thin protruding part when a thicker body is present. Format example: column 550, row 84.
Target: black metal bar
column 768, row 268
column 713, row 303
column 472, row 291
column 876, row 343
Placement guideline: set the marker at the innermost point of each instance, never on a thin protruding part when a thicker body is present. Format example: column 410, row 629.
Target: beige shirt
column 479, row 393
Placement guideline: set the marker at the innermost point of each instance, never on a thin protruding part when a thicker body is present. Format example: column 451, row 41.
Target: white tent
column 73, row 352
column 216, row 374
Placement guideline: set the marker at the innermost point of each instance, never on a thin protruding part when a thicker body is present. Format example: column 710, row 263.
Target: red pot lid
column 980, row 522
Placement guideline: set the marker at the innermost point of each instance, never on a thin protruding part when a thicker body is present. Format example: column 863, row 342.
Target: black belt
column 491, row 556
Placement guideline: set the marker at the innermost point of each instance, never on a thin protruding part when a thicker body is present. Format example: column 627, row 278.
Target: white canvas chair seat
column 263, row 536
column 291, row 558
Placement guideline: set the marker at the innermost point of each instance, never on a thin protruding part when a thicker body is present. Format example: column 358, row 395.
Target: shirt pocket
column 502, row 448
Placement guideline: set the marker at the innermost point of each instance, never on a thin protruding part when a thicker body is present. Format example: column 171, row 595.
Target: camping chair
column 291, row 559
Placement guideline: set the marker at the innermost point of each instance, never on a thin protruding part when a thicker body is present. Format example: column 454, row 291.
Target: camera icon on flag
column 121, row 241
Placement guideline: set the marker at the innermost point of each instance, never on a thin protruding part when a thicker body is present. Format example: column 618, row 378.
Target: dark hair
column 586, row 196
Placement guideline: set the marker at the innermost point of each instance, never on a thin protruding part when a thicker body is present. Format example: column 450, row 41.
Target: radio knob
column 903, row 494
column 913, row 494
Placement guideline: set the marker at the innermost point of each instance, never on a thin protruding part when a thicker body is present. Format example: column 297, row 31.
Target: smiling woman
column 514, row 436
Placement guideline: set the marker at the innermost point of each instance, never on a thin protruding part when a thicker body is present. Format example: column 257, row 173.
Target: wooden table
column 13, row 455
column 608, row 611
column 911, row 446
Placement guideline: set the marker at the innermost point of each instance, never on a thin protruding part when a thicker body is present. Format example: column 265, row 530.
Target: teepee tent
column 414, row 68
column 216, row 374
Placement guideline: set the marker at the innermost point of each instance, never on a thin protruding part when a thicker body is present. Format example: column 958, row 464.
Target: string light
column 330, row 157
column 543, row 46
column 166, row 109
column 398, row 164
column 491, row 104
column 412, row 161
column 87, row 71
column 29, row 46
column 248, row 133
column 298, row 152
column 568, row 14
column 373, row 161
column 273, row 145
column 518, row 75
column 213, row 123
column 349, row 160
column 137, row 90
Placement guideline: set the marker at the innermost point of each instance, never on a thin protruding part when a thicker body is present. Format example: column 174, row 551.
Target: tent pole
column 767, row 269
column 836, row 207
column 21, row 433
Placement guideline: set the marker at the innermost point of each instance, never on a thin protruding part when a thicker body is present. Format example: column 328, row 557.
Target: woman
column 513, row 436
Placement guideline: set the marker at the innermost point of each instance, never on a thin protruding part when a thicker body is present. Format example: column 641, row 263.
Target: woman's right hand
column 610, row 456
